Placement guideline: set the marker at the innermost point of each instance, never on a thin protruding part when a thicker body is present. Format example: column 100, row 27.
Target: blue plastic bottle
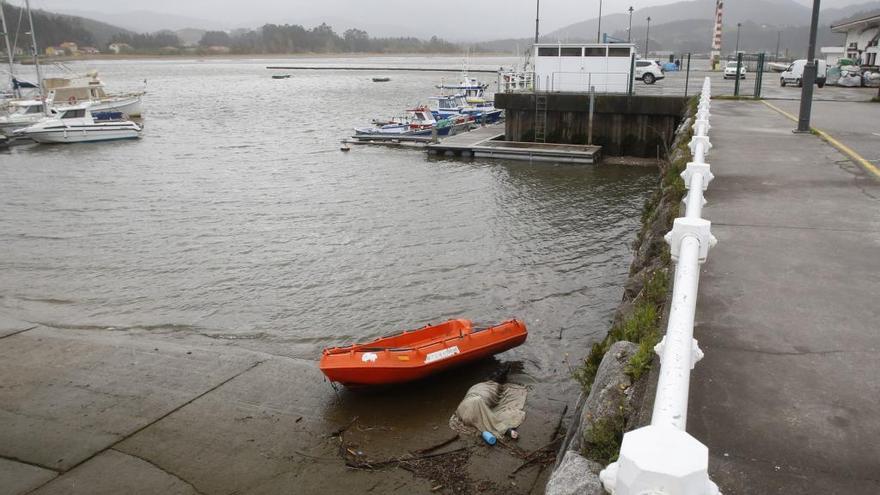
column 489, row 437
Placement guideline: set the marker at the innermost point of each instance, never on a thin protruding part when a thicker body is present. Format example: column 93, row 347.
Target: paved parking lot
column 854, row 124
column 674, row 84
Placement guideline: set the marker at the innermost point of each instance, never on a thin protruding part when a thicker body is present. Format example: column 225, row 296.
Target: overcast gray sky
column 452, row 19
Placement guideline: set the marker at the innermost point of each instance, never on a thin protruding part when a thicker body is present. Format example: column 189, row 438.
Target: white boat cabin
column 578, row 66
column 63, row 91
column 26, row 107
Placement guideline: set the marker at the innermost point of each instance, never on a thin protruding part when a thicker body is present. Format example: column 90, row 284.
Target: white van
column 795, row 72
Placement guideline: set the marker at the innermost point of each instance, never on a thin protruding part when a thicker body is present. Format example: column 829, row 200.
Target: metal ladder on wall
column 540, row 117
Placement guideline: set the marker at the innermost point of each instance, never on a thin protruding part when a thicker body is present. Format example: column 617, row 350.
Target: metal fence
column 619, row 82
column 678, row 79
column 662, row 457
column 746, row 64
column 603, row 82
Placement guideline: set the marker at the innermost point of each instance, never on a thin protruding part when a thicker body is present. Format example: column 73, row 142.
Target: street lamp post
column 599, row 29
column 648, row 35
column 778, row 39
column 629, row 31
column 537, row 18
column 736, row 50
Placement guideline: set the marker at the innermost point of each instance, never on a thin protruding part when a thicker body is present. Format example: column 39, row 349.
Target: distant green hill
column 53, row 29
column 687, row 26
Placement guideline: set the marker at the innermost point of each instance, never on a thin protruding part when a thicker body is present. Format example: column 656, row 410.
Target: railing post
column 632, row 74
column 590, row 122
column 739, row 60
column 662, row 458
column 687, row 75
column 759, row 76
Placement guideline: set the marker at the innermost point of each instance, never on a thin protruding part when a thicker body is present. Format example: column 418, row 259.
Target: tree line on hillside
column 51, row 29
column 287, row 38
column 147, row 42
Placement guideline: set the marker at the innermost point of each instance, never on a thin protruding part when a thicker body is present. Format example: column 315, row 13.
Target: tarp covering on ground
column 491, row 406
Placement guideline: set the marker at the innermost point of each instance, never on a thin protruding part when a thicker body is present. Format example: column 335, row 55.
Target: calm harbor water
column 237, row 217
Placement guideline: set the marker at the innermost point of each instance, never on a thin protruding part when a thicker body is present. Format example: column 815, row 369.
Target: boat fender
column 72, row 100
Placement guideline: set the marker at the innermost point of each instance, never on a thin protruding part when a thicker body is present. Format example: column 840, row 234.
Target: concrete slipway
column 85, row 411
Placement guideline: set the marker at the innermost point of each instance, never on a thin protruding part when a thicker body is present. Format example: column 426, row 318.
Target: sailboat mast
column 8, row 47
column 27, row 4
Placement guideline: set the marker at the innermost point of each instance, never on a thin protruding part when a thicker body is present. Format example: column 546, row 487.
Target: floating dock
column 389, row 140
column 487, row 142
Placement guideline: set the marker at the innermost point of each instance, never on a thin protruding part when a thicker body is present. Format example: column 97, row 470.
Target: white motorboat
column 81, row 124
column 21, row 114
column 63, row 91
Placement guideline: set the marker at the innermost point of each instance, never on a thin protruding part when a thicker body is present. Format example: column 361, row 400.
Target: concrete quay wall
column 622, row 125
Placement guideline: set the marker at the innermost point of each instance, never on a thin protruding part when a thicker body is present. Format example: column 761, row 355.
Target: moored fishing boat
column 415, row 354
column 446, row 106
column 79, row 124
column 63, row 91
column 468, row 86
column 418, row 121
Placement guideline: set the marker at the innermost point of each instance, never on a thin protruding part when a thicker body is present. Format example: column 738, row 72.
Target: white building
column 862, row 35
column 832, row 54
column 578, row 66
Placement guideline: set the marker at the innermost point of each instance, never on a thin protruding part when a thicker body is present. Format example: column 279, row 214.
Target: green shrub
column 642, row 360
column 656, row 287
column 641, row 323
column 586, row 372
column 602, row 440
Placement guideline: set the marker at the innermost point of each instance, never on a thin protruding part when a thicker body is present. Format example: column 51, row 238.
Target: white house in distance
column 862, row 35
column 833, row 54
column 578, row 66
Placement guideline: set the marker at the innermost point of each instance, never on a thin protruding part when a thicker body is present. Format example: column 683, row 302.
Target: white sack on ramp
column 491, row 406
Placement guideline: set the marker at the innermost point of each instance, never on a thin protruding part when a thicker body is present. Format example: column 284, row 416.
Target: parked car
column 730, row 70
column 648, row 71
column 795, row 73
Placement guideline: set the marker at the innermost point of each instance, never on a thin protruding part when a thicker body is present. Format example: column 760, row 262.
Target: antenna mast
column 716, row 40
column 36, row 57
column 5, row 29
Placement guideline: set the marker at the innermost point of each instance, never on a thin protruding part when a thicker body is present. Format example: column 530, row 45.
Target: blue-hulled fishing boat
column 446, row 106
column 418, row 121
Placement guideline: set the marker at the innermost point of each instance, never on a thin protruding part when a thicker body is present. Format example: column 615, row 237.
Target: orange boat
column 415, row 354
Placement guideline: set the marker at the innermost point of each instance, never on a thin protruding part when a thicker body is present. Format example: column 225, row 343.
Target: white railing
column 662, row 458
column 603, row 82
column 512, row 81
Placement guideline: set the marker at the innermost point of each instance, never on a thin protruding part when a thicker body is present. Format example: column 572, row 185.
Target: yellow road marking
column 846, row 150
column 783, row 112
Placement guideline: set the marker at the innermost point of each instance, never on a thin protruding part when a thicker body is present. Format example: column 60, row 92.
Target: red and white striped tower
column 716, row 40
